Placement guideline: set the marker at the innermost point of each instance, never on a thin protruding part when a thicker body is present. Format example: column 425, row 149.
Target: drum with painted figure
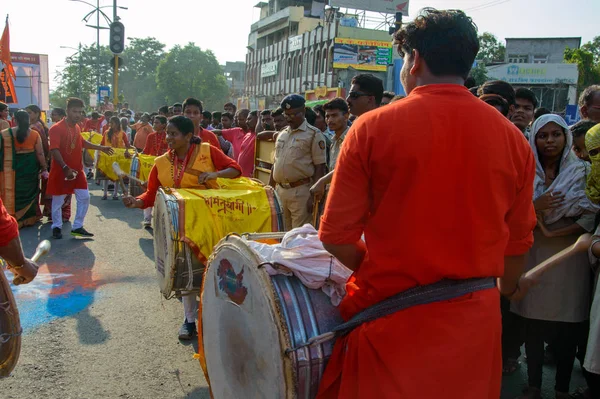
column 188, row 223
column 250, row 321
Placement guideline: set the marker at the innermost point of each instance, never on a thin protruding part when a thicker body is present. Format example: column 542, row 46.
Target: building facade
column 306, row 48
column 538, row 64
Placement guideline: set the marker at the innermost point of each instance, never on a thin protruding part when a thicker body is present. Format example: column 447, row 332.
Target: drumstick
column 581, row 245
column 42, row 249
column 117, row 169
column 119, row 172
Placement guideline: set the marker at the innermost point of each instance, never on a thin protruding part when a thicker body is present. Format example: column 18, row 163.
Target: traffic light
column 397, row 24
column 117, row 37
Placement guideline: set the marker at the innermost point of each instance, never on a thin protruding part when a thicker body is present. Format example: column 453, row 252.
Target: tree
column 78, row 78
column 594, row 48
column 137, row 78
column 190, row 71
column 589, row 71
column 490, row 49
column 479, row 73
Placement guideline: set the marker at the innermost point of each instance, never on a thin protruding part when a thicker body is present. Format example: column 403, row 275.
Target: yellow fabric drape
column 105, row 163
column 145, row 164
column 209, row 215
column 94, row 138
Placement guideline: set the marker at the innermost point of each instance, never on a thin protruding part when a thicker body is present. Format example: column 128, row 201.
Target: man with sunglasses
column 365, row 94
column 300, row 160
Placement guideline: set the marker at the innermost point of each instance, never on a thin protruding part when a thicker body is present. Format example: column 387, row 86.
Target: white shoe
column 147, row 222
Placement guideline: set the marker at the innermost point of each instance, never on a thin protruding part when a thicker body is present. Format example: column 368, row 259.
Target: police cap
column 293, row 101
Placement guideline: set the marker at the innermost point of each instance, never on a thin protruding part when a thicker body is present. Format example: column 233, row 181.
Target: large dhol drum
column 250, row 321
column 177, row 268
column 183, row 233
column 263, row 162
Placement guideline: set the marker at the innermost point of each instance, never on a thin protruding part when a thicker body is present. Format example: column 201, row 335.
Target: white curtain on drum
column 301, row 253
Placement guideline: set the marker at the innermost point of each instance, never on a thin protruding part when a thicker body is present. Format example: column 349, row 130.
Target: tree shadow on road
column 110, row 209
column 198, row 393
column 147, row 246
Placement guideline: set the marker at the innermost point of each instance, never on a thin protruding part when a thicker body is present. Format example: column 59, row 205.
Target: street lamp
column 98, row 10
column 79, row 77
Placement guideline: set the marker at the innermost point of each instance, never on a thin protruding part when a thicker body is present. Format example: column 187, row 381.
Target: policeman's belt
column 296, row 183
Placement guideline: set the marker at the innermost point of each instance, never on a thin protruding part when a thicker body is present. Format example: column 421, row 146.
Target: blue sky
column 43, row 26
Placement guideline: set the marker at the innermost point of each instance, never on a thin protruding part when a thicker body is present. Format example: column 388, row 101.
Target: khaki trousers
column 293, row 204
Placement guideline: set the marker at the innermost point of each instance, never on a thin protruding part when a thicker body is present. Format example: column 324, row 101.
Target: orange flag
column 8, row 73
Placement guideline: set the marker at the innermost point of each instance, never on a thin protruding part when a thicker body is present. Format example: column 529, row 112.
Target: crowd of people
column 506, row 185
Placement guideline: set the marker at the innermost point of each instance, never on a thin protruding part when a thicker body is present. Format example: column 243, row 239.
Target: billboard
column 384, row 6
column 32, row 82
column 295, row 43
column 268, row 69
column 535, row 74
column 362, row 55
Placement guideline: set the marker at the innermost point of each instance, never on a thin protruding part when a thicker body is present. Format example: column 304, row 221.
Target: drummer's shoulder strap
column 202, row 162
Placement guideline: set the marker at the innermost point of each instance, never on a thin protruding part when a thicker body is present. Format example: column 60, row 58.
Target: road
column 96, row 326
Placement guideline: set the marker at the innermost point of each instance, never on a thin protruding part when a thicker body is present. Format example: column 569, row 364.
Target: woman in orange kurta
column 444, row 194
column 189, row 163
column 115, row 138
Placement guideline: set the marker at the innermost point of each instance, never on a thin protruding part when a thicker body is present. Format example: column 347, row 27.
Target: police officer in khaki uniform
column 300, row 161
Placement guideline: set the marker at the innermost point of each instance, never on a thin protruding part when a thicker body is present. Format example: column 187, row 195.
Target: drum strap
column 443, row 290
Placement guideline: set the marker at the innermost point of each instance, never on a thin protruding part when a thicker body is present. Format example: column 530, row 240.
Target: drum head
column 165, row 248
column 243, row 335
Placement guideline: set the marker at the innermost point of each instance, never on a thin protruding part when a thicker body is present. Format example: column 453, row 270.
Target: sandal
column 510, row 366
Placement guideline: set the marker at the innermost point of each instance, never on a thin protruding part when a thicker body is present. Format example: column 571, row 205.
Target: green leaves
column 149, row 78
column 490, row 49
column 587, row 59
column 191, row 72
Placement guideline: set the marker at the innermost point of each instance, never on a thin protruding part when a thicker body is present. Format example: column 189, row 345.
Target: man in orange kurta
column 440, row 184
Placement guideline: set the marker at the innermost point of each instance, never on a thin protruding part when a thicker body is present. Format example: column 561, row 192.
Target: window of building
column 540, row 58
column 518, row 58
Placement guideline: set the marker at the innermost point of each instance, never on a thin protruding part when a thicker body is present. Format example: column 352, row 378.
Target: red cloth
column 219, row 160
column 243, row 148
column 61, row 138
column 92, row 125
column 209, row 137
column 156, row 144
column 445, row 193
column 9, row 228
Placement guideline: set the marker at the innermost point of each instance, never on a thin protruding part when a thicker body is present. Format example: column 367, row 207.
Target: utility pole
column 80, row 72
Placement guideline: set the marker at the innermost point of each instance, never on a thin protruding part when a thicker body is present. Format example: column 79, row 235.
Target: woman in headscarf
column 557, row 308
column 22, row 161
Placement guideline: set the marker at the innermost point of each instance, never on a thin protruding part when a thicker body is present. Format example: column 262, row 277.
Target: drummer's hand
column 144, row 185
column 107, row 150
column 318, row 190
column 25, row 274
column 132, row 202
column 127, row 154
column 45, row 175
column 204, row 177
